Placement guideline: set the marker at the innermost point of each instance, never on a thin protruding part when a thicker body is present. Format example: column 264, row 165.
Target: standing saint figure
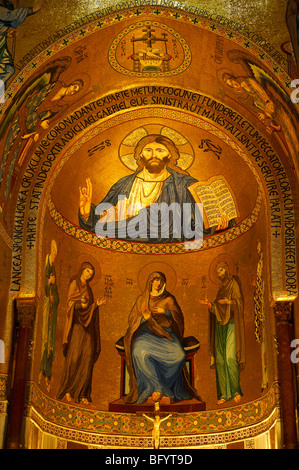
column 227, row 335
column 260, row 314
column 156, row 429
column 155, row 356
column 81, row 337
column 51, row 302
column 11, row 17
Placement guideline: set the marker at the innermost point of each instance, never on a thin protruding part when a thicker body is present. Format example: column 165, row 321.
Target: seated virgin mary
column 155, row 356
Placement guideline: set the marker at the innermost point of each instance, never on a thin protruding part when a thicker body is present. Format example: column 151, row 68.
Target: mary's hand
column 159, row 310
column 85, row 198
column 146, row 314
column 101, row 301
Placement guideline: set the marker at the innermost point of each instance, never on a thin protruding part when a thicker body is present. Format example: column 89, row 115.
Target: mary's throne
column 191, row 345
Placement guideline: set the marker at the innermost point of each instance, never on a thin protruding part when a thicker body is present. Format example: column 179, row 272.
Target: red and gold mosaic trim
column 129, row 430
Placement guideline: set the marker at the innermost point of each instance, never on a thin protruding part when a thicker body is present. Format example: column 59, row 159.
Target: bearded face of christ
column 155, row 157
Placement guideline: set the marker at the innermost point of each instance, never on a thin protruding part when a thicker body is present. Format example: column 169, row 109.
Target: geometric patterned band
column 125, row 246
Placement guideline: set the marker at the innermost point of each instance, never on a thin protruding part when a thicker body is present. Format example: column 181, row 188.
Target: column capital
column 283, row 312
column 26, row 307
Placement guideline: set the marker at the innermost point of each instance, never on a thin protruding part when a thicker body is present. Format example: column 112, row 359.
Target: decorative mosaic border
column 148, row 248
column 204, row 422
column 3, row 407
column 132, row 13
column 3, row 387
column 143, row 442
column 221, row 438
column 130, row 442
column 117, row 430
column 3, row 395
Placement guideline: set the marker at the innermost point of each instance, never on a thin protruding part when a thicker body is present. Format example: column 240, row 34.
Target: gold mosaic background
column 262, row 16
column 266, row 18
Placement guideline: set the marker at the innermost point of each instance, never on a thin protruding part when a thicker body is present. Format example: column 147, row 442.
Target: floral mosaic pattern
column 3, row 388
column 121, row 430
column 118, row 423
column 118, row 430
column 131, row 247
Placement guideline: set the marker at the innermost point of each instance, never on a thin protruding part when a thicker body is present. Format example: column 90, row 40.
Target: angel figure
column 156, row 429
column 275, row 107
column 30, row 114
column 260, row 98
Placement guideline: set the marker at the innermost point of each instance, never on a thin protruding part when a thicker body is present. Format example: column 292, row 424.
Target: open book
column 217, row 199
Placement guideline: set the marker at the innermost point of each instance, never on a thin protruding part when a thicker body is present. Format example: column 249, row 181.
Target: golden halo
column 127, row 146
column 164, row 268
column 223, row 257
column 86, row 257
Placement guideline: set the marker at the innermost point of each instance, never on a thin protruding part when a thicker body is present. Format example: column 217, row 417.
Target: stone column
column 26, row 308
column 284, row 328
